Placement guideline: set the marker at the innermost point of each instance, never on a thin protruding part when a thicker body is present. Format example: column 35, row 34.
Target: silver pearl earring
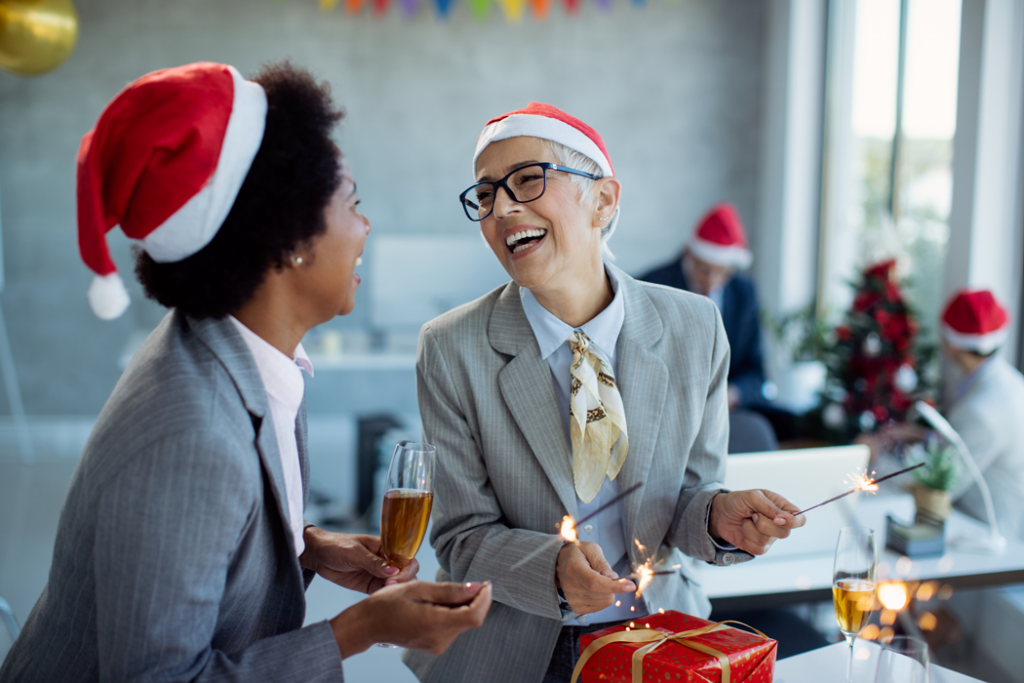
column 604, row 218
column 298, row 260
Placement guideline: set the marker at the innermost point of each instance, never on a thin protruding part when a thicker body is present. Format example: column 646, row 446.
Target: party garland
column 514, row 10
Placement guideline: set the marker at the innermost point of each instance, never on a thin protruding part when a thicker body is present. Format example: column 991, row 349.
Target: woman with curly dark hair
column 182, row 554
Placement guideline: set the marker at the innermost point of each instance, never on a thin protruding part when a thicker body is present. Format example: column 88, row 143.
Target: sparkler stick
column 611, row 502
column 863, row 487
column 663, row 572
column 568, row 532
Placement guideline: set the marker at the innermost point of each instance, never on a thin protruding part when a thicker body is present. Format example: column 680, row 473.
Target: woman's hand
column 586, row 578
column 752, row 520
column 352, row 561
column 417, row 615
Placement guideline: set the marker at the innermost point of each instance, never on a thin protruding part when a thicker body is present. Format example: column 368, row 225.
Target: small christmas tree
column 873, row 364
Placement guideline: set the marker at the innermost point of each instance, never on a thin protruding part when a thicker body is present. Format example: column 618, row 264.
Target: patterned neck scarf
column 597, row 422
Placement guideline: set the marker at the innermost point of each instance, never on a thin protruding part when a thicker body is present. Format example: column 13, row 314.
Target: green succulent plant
column 941, row 469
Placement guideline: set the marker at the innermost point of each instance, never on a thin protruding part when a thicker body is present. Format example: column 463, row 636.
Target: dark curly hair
column 278, row 209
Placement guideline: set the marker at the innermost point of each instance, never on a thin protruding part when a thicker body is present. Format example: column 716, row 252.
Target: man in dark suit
column 709, row 266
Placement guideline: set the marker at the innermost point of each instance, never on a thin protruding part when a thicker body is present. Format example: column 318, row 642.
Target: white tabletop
column 829, row 664
column 767, row 581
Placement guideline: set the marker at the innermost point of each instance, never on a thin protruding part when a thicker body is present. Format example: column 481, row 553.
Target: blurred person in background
column 556, row 391
column 984, row 403
column 181, row 553
column 710, row 265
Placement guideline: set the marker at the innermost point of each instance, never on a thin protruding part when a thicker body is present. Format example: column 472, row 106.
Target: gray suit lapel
column 643, row 383
column 228, row 346
column 526, row 386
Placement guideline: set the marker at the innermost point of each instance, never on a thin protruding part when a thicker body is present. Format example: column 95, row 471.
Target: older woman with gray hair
column 553, row 393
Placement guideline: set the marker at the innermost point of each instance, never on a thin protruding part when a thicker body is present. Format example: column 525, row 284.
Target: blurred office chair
column 750, row 432
column 8, row 617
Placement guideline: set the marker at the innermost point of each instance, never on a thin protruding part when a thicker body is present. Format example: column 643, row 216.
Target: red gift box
column 675, row 647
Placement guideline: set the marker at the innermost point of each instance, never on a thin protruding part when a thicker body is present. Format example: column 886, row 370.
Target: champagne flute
column 903, row 660
column 853, row 584
column 408, row 497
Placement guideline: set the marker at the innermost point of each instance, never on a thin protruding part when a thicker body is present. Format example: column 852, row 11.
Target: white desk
column 771, row 582
column 829, row 664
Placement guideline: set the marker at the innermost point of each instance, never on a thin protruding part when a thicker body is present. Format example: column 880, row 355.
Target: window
column 890, row 120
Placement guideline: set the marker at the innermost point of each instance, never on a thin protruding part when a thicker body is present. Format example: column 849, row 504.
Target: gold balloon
column 36, row 35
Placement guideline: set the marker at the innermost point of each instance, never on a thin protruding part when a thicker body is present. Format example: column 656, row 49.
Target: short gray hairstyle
column 566, row 156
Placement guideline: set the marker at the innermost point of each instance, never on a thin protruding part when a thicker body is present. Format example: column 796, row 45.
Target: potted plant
column 935, row 481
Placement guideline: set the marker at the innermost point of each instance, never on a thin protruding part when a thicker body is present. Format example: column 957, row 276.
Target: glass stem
column 849, row 660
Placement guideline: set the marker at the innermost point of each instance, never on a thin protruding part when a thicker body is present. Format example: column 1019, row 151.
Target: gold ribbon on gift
column 656, row 639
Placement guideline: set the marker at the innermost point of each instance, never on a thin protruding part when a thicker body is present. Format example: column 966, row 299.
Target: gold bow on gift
column 657, row 638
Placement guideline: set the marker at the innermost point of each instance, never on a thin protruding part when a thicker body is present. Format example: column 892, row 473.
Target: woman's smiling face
column 328, row 280
column 544, row 241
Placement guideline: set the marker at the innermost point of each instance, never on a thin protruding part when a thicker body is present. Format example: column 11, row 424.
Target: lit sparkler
column 568, row 528
column 862, row 483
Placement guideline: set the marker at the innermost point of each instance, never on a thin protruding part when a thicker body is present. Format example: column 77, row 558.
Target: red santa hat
column 538, row 120
column 975, row 321
column 165, row 162
column 719, row 238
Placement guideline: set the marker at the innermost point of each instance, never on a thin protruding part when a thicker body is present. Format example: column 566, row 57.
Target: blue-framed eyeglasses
column 524, row 184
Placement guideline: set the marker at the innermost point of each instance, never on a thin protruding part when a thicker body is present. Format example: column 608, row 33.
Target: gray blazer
column 173, row 560
column 504, row 479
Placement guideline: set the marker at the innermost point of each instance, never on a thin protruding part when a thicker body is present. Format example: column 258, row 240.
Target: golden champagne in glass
column 403, row 524
column 408, row 497
column 853, row 584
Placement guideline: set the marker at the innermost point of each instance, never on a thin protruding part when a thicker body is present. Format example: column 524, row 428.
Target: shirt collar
column 551, row 332
column 282, row 378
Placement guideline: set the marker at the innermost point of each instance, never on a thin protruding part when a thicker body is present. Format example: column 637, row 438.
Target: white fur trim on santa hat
column 192, row 226
column 979, row 343
column 545, row 128
column 733, row 256
column 108, row 297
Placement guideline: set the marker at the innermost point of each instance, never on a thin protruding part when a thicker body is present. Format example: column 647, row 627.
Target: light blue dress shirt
column 607, row 528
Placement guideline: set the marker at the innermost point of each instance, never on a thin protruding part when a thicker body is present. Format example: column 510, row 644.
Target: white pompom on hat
column 975, row 321
column 165, row 161
column 719, row 238
column 543, row 121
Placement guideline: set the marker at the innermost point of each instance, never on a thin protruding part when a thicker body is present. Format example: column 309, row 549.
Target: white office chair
column 8, row 617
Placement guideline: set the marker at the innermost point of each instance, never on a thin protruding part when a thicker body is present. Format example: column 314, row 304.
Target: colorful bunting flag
column 353, row 6
column 442, row 7
column 380, row 8
column 572, row 6
column 604, row 5
column 409, row 8
column 540, row 9
column 513, row 9
column 327, row 5
column 480, row 8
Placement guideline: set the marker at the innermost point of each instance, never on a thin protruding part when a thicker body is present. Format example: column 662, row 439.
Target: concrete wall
column 674, row 88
